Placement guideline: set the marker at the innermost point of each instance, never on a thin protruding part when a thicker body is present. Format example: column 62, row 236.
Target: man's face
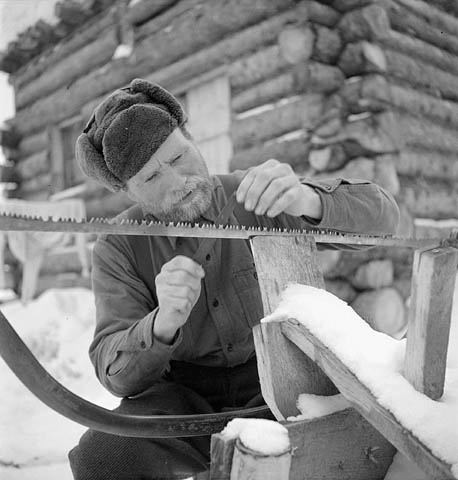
column 174, row 185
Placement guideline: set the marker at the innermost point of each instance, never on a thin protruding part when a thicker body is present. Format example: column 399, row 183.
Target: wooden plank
column 365, row 402
column 433, row 284
column 221, row 454
column 284, row 371
column 339, row 446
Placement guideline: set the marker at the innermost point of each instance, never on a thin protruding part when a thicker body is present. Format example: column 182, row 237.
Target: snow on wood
column 429, row 432
column 313, row 406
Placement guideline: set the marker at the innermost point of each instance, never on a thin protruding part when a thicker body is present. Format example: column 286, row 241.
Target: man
column 174, row 336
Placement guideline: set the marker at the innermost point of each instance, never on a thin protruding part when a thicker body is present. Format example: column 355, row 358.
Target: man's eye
column 151, row 177
column 175, row 159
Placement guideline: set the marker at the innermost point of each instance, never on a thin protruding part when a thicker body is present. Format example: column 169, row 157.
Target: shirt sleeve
column 355, row 206
column 126, row 356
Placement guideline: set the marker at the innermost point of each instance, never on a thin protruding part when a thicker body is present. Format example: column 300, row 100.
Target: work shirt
column 127, row 357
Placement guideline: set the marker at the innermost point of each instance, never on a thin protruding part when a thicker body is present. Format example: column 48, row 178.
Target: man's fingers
column 282, row 203
column 186, row 264
column 275, row 190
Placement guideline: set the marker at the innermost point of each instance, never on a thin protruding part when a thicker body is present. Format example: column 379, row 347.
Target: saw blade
column 13, row 222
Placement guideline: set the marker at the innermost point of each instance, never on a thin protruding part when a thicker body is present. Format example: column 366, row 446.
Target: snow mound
column 377, row 360
column 58, row 328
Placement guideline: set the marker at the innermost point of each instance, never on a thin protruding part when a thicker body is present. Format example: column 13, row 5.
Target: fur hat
column 125, row 130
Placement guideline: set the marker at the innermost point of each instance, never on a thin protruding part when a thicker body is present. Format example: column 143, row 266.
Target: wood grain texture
column 433, row 283
column 284, row 371
column 339, row 446
column 365, row 403
column 221, row 455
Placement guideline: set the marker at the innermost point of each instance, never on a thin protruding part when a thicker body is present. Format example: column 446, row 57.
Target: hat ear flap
column 93, row 164
column 161, row 96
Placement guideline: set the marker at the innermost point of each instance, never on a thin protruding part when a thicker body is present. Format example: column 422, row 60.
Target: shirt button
column 215, row 302
column 230, row 347
column 142, row 344
column 208, row 257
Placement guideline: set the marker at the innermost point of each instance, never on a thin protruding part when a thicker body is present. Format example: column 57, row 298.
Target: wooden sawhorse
column 357, row 443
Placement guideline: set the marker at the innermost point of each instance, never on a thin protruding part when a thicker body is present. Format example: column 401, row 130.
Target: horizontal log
column 322, row 14
column 80, row 37
column 142, row 11
column 347, row 5
column 255, row 67
column 365, row 401
column 229, row 49
column 438, row 18
column 418, row 132
column 372, row 23
column 33, row 143
column 310, row 77
column 69, row 68
column 371, row 135
column 404, row 20
column 375, row 93
column 327, row 45
column 363, row 57
column 200, row 27
column 289, row 149
column 426, row 164
column 33, row 165
column 436, row 199
column 298, row 112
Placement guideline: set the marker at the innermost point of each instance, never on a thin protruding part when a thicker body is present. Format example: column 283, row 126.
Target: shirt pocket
column 246, row 286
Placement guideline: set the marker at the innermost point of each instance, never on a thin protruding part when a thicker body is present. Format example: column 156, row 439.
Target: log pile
column 354, row 88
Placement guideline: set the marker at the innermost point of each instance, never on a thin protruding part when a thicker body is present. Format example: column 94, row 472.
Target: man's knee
column 100, row 456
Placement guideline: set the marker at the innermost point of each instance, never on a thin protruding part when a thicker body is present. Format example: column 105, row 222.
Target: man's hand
column 178, row 288
column 273, row 188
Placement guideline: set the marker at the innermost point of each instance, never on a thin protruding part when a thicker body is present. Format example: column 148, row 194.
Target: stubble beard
column 171, row 211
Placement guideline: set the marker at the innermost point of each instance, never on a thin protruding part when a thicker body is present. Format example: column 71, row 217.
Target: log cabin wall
column 355, row 88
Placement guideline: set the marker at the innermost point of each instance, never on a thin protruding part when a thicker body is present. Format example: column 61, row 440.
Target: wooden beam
column 284, row 371
column 365, row 402
column 433, row 284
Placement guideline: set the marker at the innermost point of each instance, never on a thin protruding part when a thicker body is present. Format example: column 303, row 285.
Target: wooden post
column 250, row 465
column 285, row 371
column 433, row 283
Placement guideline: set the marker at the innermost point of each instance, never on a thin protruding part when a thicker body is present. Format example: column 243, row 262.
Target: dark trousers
column 187, row 390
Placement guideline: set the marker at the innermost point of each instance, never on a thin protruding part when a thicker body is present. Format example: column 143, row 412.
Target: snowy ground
column 34, row 440
column 58, row 327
